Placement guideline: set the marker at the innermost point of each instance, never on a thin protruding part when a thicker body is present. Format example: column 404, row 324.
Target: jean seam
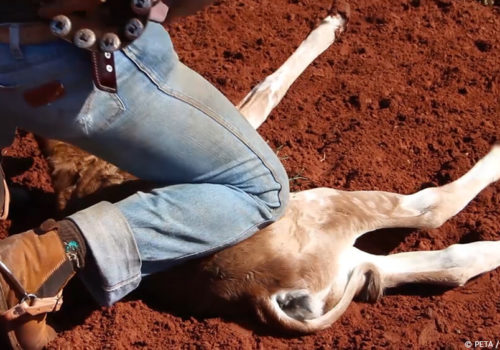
column 121, row 108
column 204, row 109
column 218, row 119
column 89, row 105
column 121, row 283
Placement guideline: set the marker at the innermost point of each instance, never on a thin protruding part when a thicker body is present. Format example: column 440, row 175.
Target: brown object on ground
column 408, row 98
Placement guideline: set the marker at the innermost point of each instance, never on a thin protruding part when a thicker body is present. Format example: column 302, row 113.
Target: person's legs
column 220, row 182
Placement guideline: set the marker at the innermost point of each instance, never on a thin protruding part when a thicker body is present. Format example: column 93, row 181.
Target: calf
column 302, row 272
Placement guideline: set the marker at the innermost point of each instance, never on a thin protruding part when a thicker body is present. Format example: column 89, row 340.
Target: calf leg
column 452, row 266
column 259, row 103
column 428, row 208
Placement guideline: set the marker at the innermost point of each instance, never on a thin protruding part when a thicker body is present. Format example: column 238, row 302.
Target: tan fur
column 77, row 174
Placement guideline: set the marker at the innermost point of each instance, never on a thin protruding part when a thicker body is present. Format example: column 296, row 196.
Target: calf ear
column 297, row 304
column 373, row 289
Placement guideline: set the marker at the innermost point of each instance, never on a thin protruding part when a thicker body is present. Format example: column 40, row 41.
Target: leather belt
column 29, row 33
column 103, row 65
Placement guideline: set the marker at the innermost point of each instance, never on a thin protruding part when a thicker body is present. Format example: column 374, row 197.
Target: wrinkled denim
column 220, row 182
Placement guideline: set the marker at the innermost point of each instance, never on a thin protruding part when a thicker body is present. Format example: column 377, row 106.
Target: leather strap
column 29, row 33
column 103, row 71
column 9, row 276
column 37, row 306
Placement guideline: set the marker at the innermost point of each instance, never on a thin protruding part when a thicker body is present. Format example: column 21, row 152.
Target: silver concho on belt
column 113, row 25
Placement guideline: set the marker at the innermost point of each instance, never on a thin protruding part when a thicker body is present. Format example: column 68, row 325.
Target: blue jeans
column 166, row 124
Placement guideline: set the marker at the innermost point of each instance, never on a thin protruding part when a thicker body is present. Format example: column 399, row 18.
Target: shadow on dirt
column 382, row 242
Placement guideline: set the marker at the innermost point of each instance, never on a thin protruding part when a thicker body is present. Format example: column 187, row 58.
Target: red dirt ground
column 408, row 98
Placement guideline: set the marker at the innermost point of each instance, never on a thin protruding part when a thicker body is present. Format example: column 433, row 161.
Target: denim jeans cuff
column 115, row 269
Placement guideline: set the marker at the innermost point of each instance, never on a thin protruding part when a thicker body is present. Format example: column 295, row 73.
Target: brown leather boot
column 34, row 268
column 4, row 196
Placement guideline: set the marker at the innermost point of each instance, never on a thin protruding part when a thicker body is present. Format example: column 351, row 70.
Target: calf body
column 302, row 272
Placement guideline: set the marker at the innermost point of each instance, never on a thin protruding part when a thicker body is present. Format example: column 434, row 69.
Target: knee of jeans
column 283, row 194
